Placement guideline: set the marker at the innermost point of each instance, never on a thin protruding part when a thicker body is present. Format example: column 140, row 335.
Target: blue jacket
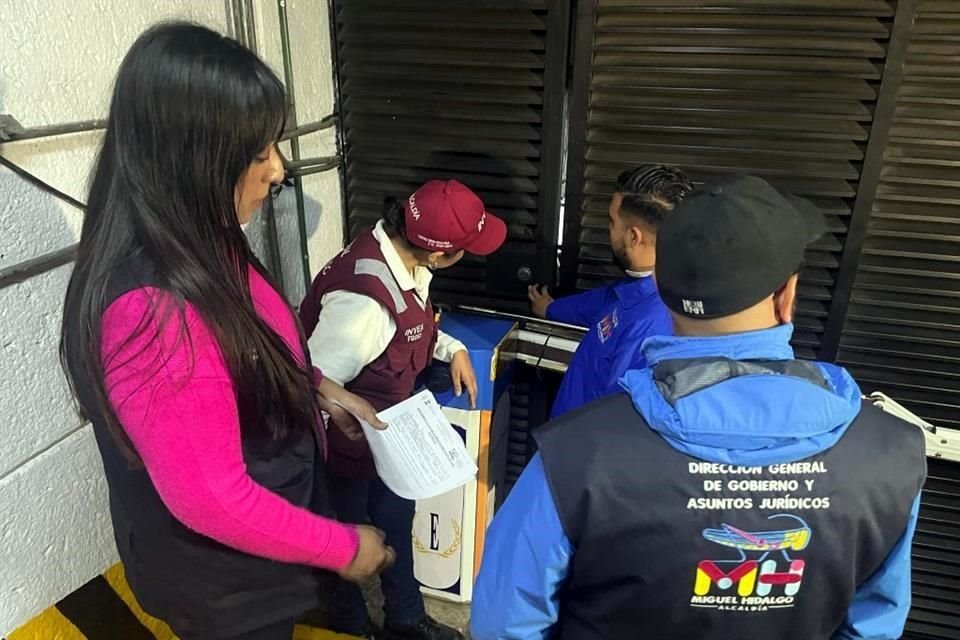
column 527, row 554
column 619, row 317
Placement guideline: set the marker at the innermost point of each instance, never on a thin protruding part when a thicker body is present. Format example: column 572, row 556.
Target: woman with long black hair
column 190, row 365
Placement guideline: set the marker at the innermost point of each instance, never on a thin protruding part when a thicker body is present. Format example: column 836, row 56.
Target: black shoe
column 426, row 629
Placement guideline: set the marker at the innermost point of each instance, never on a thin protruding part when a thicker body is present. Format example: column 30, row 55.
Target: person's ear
column 444, row 260
column 635, row 237
column 785, row 300
column 433, row 259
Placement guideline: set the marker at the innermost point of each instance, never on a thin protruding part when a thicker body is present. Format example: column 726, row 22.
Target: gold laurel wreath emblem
column 446, row 553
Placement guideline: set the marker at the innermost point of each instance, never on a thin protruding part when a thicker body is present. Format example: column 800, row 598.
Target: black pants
column 277, row 631
column 359, row 501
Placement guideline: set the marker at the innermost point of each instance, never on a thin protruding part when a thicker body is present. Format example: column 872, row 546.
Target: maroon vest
column 361, row 268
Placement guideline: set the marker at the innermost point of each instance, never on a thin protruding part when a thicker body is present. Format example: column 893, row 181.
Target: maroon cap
column 444, row 215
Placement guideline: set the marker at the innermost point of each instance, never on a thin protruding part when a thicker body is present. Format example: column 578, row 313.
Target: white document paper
column 419, row 455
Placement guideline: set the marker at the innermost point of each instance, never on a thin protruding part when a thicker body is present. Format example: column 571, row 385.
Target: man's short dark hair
column 651, row 192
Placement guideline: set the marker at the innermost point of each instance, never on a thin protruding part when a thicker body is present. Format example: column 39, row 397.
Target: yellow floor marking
column 49, row 625
column 116, row 579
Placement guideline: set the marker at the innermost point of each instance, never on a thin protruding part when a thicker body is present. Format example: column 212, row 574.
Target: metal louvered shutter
column 936, row 556
column 901, row 327
column 783, row 89
column 532, row 395
column 458, row 89
column 901, row 332
column 519, row 446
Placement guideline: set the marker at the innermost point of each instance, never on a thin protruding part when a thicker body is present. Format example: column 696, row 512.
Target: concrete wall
column 314, row 96
column 58, row 61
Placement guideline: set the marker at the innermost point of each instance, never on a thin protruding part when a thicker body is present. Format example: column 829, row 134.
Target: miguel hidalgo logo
column 761, row 582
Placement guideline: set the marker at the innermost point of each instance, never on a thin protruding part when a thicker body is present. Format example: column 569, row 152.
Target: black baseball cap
column 731, row 243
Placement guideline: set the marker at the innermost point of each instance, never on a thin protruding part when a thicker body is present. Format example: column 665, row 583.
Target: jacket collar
column 766, row 344
column 632, row 290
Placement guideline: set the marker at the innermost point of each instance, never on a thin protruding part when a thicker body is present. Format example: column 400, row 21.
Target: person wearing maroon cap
column 371, row 327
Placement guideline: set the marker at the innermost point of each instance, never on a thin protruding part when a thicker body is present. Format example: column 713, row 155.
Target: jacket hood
column 750, row 419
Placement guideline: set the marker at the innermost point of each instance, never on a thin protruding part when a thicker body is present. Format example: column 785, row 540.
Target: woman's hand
column 463, row 376
column 342, row 406
column 344, row 421
column 373, row 556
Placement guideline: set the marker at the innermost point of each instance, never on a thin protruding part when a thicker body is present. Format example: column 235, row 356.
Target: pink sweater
column 175, row 400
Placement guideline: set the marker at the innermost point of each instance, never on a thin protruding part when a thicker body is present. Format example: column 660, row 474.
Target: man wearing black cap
column 731, row 491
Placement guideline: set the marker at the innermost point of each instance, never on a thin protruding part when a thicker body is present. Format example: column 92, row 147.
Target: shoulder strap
column 379, row 270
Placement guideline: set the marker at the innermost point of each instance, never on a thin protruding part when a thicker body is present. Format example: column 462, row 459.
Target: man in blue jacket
column 731, row 491
column 619, row 316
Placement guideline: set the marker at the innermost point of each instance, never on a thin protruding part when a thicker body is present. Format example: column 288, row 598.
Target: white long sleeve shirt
column 354, row 329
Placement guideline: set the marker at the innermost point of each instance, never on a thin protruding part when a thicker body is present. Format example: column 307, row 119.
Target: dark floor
column 451, row 613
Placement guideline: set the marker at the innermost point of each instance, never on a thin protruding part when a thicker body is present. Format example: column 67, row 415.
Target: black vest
column 200, row 587
column 669, row 546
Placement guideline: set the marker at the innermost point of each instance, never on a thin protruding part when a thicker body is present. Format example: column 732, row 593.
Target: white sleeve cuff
column 447, row 347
